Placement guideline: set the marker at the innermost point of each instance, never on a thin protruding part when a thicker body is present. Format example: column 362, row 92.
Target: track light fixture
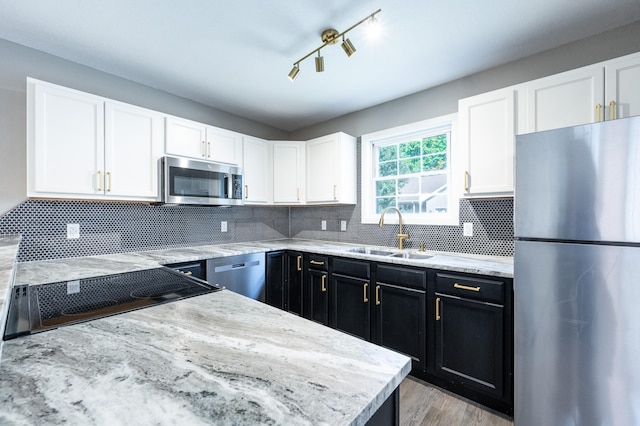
column 331, row 36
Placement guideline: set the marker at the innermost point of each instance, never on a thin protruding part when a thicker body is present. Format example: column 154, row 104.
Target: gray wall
column 18, row 62
column 443, row 99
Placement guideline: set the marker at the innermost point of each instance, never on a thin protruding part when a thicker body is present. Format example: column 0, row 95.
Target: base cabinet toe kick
column 457, row 328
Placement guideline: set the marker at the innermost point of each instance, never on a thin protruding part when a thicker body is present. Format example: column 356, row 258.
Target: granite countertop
column 219, row 358
column 86, row 267
column 9, row 245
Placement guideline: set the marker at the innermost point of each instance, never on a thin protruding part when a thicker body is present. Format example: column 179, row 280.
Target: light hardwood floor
column 424, row 404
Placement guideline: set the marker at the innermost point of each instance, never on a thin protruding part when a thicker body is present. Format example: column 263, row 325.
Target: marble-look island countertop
column 219, row 358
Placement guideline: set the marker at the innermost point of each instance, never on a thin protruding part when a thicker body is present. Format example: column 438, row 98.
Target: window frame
column 446, row 123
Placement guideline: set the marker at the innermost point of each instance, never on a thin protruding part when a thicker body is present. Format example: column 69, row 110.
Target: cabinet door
column 567, row 99
column 288, row 172
column 469, row 343
column 224, row 146
column 350, row 305
column 133, row 146
column 316, row 296
column 622, row 89
column 487, row 127
column 185, row 138
column 331, row 169
column 275, row 279
column 400, row 321
column 66, row 141
column 294, row 283
column 257, row 172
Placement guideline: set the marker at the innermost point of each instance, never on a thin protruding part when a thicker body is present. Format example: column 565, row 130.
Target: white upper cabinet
column 331, row 169
column 487, row 131
column 65, row 147
column 87, row 147
column 257, row 171
column 288, row 172
column 567, row 99
column 133, row 146
column 622, row 87
column 191, row 139
column 185, row 138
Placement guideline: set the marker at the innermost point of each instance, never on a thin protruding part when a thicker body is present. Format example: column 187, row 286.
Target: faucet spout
column 401, row 235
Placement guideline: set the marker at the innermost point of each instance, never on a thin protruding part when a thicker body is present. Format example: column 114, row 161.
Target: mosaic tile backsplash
column 107, row 228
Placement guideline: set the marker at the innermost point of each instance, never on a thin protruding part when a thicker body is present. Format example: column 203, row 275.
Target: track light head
column 294, row 72
column 319, row 63
column 348, row 47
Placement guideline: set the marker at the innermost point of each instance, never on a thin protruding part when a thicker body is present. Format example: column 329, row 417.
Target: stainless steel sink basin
column 374, row 252
column 411, row 255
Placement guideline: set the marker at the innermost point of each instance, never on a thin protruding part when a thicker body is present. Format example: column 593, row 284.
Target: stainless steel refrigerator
column 577, row 275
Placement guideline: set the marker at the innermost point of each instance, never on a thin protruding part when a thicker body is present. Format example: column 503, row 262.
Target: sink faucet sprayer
column 401, row 236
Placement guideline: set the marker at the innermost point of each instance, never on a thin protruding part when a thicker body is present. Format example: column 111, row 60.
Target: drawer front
column 319, row 262
column 401, row 276
column 470, row 288
column 351, row 268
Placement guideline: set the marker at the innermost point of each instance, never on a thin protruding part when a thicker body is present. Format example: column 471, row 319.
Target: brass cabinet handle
column 377, row 295
column 246, row 191
column 598, row 112
column 324, row 287
column 108, row 181
column 204, row 149
column 298, row 193
column 612, row 110
column 208, row 149
column 465, row 287
column 315, row 262
column 299, row 260
column 99, row 180
column 466, row 180
column 437, row 309
column 335, row 197
column 366, row 285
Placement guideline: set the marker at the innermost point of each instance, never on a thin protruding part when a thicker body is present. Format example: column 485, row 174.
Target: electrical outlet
column 467, row 229
column 343, row 225
column 323, row 225
column 73, row 231
column 223, row 226
column 73, row 287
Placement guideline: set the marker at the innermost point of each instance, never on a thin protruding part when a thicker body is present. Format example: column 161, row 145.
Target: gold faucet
column 401, row 236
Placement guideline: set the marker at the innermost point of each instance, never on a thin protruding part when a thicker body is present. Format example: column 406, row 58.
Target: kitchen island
column 219, row 358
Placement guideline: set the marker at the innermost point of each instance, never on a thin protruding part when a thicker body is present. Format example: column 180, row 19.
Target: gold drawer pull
column 315, row 262
column 108, row 181
column 377, row 295
column 438, row 309
column 324, row 287
column 466, row 181
column 612, row 110
column 466, row 287
column 99, row 180
column 365, row 300
column 598, row 112
column 299, row 259
column 246, row 191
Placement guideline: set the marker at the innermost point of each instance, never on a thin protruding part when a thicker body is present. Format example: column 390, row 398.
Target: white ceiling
column 235, row 55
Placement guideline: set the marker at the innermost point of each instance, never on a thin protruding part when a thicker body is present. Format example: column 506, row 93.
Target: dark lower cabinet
column 283, row 281
column 350, row 296
column 275, row 279
column 316, row 289
column 473, row 337
column 400, row 322
column 469, row 337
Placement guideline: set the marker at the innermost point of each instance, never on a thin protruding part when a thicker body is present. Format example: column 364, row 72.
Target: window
column 410, row 168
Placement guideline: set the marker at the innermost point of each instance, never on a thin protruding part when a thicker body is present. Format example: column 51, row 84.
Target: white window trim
column 368, row 214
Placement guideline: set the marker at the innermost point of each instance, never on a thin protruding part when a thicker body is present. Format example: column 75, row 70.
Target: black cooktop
column 43, row 307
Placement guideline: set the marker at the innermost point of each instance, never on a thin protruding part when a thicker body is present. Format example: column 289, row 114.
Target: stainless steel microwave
column 186, row 181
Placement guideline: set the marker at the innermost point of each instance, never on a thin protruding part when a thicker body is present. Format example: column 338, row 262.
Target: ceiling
column 235, row 55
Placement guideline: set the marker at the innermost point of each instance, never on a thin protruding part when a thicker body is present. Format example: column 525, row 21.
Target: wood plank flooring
column 425, row 404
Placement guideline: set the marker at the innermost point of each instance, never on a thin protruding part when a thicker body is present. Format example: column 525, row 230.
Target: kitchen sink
column 374, row 252
column 411, row 255
column 389, row 253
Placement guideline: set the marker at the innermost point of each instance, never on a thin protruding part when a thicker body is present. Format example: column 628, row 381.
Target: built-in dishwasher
column 243, row 274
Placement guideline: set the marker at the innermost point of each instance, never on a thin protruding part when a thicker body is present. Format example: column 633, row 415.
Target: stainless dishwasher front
column 243, row 274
